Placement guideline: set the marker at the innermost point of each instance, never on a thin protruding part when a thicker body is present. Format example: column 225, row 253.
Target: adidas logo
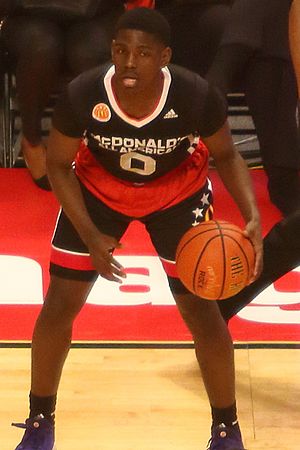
column 171, row 114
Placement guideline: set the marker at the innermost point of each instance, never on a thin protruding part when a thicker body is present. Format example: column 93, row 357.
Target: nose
column 130, row 62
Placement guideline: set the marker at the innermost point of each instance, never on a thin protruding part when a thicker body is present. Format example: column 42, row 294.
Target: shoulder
column 89, row 81
column 182, row 75
column 186, row 83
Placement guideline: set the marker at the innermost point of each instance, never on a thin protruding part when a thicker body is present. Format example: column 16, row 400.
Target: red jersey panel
column 131, row 4
column 140, row 199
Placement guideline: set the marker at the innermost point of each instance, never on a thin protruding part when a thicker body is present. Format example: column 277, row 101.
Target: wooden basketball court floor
column 153, row 399
column 147, row 397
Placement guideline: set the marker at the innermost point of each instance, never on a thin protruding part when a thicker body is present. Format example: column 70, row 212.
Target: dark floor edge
column 158, row 345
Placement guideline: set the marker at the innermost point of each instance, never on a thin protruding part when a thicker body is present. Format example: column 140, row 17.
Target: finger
column 118, row 272
column 116, row 263
column 106, row 269
column 258, row 264
column 117, row 268
column 111, row 277
column 245, row 233
column 112, row 273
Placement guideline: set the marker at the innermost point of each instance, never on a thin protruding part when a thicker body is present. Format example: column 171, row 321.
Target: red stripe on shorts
column 169, row 268
column 70, row 260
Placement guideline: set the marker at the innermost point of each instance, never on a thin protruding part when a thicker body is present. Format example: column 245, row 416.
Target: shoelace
column 25, row 425
column 19, row 425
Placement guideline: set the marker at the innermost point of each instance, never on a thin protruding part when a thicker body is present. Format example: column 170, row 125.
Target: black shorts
column 70, row 257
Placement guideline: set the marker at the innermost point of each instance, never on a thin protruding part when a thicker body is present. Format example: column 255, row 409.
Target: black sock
column 228, row 416
column 42, row 405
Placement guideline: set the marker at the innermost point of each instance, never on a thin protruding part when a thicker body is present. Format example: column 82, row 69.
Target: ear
column 166, row 56
column 112, row 49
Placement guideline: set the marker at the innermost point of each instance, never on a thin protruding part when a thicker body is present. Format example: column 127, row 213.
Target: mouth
column 129, row 81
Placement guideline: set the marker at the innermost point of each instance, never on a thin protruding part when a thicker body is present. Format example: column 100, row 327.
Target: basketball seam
column 198, row 261
column 224, row 260
column 191, row 239
column 214, row 222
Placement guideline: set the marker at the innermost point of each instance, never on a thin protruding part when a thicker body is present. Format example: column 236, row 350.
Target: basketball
column 215, row 260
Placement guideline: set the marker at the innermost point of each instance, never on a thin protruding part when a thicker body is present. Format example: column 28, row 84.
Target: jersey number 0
column 135, row 162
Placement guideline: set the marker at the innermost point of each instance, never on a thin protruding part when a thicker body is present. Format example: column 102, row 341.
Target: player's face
column 138, row 58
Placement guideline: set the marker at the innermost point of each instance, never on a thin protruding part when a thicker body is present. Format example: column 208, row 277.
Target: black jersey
column 140, row 150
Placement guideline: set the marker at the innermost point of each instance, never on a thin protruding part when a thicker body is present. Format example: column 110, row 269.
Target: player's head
column 148, row 21
column 140, row 47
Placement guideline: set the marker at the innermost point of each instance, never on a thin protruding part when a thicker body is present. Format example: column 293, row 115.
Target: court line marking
column 157, row 345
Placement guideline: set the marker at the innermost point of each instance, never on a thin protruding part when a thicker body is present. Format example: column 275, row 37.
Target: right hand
column 101, row 248
column 253, row 232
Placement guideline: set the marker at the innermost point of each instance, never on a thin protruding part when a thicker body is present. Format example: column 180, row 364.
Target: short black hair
column 147, row 20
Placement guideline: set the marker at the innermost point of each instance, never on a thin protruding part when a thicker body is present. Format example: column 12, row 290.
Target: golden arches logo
column 101, row 112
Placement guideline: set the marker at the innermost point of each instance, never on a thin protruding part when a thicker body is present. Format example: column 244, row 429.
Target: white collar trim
column 138, row 123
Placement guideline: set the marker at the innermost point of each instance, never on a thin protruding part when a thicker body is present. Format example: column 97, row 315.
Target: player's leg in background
column 81, row 52
column 196, row 31
column 281, row 254
column 35, row 48
column 272, row 98
column 228, row 67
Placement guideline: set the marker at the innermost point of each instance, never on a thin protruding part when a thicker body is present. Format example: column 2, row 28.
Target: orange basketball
column 215, row 260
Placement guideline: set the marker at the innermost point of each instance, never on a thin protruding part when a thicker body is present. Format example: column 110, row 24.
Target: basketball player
column 254, row 59
column 282, row 244
column 140, row 158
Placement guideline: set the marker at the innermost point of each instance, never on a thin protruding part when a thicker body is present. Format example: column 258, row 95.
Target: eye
column 119, row 49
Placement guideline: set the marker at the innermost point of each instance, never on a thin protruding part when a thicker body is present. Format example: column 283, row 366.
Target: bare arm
column 294, row 37
column 235, row 176
column 60, row 156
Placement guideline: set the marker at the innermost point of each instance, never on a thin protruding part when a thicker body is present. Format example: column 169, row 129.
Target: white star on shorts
column 204, row 199
column 198, row 212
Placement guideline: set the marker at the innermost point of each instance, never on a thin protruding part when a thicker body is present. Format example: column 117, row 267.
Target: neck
column 138, row 103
